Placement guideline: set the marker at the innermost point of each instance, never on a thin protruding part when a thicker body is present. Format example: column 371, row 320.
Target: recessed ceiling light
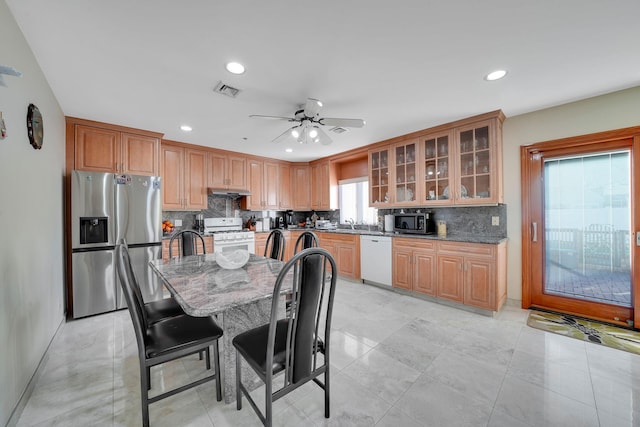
column 235, row 67
column 289, row 150
column 495, row 75
column 186, row 128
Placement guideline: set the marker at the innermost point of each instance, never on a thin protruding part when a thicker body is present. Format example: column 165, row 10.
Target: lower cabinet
column 345, row 249
column 261, row 243
column 473, row 274
column 208, row 246
column 414, row 265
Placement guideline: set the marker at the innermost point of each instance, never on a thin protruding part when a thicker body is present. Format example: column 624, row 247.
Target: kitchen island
column 239, row 298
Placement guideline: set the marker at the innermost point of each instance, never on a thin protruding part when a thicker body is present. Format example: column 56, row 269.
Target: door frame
column 532, row 197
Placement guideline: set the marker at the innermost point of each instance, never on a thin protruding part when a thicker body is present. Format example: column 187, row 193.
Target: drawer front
column 467, row 248
column 414, row 243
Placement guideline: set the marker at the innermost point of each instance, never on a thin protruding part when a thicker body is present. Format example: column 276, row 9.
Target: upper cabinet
column 379, row 162
column 300, row 194
column 324, row 186
column 263, row 179
column 107, row 148
column 284, row 186
column 478, row 163
column 436, row 163
column 184, row 178
column 406, row 171
column 227, row 171
column 455, row 164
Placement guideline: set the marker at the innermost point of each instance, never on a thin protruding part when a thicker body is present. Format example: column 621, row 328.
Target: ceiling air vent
column 226, row 90
column 337, row 129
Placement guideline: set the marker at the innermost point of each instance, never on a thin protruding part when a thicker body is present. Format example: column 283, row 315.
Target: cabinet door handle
column 534, row 231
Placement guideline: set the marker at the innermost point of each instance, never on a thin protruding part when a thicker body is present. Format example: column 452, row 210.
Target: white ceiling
column 400, row 65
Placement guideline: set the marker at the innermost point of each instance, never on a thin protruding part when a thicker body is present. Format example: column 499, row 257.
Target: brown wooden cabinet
column 478, row 163
column 379, row 177
column 345, row 249
column 261, row 242
column 284, row 187
column 473, row 274
column 324, row 186
column 227, row 171
column 300, row 187
column 113, row 151
column 406, row 172
column 458, row 163
column 184, row 178
column 414, row 265
column 208, row 246
column 435, row 152
column 263, row 179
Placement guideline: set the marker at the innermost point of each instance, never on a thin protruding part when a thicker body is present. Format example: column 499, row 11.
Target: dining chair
column 308, row 239
column 166, row 340
column 275, row 245
column 187, row 243
column 155, row 311
column 291, row 346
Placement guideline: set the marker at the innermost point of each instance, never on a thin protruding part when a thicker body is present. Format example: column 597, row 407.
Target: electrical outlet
column 495, row 220
column 178, row 223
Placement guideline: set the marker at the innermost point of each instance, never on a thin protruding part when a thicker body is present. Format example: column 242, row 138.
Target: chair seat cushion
column 252, row 345
column 180, row 332
column 161, row 309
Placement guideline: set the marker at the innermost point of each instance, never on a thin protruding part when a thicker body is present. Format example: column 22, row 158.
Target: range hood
column 228, row 192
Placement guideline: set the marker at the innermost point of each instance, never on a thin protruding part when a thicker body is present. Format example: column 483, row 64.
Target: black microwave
column 414, row 223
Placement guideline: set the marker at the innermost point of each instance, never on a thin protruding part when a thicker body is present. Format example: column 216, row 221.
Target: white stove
column 228, row 234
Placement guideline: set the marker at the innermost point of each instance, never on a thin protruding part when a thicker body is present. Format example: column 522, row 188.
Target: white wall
column 613, row 111
column 31, row 220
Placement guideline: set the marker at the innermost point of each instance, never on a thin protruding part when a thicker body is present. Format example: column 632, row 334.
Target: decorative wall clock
column 35, row 130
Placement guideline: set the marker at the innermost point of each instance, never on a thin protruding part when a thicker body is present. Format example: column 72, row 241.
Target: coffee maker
column 289, row 216
column 199, row 224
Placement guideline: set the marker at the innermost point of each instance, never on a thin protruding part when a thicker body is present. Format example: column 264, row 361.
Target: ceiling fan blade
column 259, row 116
column 347, row 123
column 323, row 138
column 284, row 136
column 312, row 107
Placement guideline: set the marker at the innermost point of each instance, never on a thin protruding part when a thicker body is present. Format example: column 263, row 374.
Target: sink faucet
column 351, row 222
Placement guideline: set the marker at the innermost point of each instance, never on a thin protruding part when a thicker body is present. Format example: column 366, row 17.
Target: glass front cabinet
column 479, row 164
column 406, row 172
column 436, row 157
column 452, row 165
column 379, row 177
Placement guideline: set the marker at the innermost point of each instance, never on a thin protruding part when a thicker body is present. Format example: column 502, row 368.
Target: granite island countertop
column 204, row 288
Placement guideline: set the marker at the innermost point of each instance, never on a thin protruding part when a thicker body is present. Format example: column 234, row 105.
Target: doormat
column 586, row 330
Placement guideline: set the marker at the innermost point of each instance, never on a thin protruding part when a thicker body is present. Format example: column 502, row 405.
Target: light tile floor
column 397, row 361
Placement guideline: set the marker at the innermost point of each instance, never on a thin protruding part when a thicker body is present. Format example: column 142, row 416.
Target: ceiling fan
column 308, row 126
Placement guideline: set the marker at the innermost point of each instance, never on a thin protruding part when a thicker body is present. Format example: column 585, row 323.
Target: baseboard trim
column 28, row 391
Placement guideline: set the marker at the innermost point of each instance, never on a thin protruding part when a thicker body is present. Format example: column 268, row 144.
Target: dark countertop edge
column 464, row 238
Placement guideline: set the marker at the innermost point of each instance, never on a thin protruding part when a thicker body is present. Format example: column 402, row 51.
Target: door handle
column 534, row 231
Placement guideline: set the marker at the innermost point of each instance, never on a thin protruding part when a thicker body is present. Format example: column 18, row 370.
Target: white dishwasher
column 375, row 259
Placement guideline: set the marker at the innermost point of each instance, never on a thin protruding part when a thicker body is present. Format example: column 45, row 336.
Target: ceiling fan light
column 495, row 75
column 295, row 133
column 235, row 68
column 313, row 133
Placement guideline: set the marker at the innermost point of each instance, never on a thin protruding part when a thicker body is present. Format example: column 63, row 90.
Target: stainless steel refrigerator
column 104, row 208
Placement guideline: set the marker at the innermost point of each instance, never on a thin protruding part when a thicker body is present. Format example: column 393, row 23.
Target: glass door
column 587, row 223
column 579, row 217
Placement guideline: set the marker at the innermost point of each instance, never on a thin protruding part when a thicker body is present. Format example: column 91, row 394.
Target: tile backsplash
column 460, row 220
column 465, row 220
